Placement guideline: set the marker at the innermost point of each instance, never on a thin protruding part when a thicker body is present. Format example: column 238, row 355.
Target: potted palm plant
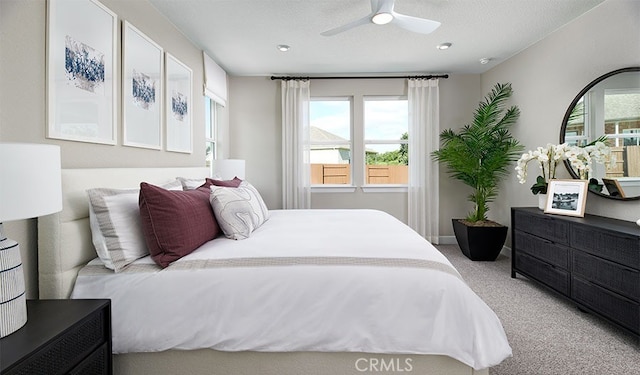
column 479, row 155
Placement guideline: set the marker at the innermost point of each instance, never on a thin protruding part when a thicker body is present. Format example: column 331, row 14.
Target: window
column 210, row 122
column 330, row 134
column 622, row 117
column 363, row 143
column 386, row 138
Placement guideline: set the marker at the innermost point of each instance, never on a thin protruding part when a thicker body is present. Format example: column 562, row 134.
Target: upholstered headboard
column 64, row 238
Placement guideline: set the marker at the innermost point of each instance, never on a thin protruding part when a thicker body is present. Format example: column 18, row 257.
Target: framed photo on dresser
column 566, row 197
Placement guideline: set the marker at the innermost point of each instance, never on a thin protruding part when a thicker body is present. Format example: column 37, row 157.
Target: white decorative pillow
column 116, row 229
column 192, row 183
column 239, row 211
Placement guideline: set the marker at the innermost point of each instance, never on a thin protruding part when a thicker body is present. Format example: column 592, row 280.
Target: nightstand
column 60, row 337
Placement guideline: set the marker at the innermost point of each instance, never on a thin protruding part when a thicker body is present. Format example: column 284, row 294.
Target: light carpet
column 548, row 334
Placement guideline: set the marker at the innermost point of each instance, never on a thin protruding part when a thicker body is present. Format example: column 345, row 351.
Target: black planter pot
column 479, row 243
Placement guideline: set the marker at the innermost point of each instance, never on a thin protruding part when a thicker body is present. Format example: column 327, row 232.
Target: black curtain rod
column 289, row 78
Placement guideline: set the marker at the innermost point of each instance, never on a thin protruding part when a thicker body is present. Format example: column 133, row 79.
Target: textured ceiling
column 242, row 35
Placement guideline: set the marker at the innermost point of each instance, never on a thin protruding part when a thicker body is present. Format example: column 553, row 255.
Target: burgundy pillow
column 224, row 183
column 175, row 222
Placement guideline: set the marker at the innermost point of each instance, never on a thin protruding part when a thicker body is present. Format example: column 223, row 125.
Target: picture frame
column 566, row 197
column 142, row 87
column 179, row 105
column 81, row 72
column 613, row 187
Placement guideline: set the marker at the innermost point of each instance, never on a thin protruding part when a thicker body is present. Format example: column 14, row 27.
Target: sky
column 384, row 119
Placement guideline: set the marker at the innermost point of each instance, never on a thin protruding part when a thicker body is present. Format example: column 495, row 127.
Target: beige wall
column 256, row 137
column 23, row 100
column 547, row 76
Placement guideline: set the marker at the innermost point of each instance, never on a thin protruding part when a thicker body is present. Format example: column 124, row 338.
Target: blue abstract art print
column 81, row 61
column 142, row 83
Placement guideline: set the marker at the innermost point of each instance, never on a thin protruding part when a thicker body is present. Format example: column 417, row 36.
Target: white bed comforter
column 306, row 280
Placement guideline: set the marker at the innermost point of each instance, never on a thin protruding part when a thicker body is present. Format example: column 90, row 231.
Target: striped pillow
column 116, row 229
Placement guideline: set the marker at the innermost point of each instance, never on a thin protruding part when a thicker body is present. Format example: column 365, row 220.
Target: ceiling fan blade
column 350, row 25
column 382, row 6
column 415, row 24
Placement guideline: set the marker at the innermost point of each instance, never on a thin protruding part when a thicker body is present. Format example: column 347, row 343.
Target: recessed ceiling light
column 443, row 46
column 283, row 47
column 382, row 18
column 484, row 60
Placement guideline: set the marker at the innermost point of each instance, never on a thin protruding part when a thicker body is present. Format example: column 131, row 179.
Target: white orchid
column 548, row 158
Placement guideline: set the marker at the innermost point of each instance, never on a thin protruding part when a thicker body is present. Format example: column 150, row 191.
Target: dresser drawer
column 610, row 275
column 548, row 251
column 556, row 278
column 613, row 246
column 97, row 363
column 543, row 226
column 617, row 308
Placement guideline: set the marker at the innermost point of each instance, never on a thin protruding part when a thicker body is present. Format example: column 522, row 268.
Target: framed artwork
column 142, row 69
column 81, row 68
column 613, row 187
column 566, row 197
column 178, row 105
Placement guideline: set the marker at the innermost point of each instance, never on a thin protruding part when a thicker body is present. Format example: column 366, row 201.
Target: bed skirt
column 212, row 362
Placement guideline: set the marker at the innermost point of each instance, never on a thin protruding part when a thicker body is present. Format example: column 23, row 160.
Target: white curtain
column 424, row 138
column 296, row 178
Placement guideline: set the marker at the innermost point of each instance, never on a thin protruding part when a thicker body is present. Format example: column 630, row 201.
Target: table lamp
column 227, row 169
column 30, row 186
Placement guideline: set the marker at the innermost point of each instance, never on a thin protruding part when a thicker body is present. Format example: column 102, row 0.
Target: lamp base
column 13, row 304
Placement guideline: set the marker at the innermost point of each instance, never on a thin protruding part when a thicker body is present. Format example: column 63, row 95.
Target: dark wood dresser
column 60, row 337
column 593, row 261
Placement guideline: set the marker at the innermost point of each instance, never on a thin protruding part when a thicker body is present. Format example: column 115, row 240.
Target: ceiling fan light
column 283, row 47
column 382, row 18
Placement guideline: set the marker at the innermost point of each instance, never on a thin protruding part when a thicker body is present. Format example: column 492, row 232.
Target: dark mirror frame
column 565, row 120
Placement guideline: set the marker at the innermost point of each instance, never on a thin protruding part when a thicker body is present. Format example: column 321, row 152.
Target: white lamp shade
column 30, row 175
column 227, row 169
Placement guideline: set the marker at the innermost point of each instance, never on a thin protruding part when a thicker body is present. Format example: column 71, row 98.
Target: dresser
column 593, row 261
column 60, row 337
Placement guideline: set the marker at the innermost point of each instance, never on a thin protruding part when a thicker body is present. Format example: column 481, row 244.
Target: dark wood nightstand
column 60, row 337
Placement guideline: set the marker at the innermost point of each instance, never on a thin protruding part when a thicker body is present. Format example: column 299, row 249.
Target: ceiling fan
column 382, row 13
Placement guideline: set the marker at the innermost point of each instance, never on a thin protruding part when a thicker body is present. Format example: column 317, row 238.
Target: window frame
column 380, row 187
column 357, row 144
column 326, row 188
column 211, row 130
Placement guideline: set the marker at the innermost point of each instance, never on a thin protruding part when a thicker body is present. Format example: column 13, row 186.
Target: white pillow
column 239, row 211
column 193, row 183
column 116, row 230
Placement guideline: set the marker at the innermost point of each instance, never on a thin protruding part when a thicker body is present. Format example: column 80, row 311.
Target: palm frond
column 480, row 154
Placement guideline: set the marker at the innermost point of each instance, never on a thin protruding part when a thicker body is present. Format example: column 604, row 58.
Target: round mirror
column 609, row 106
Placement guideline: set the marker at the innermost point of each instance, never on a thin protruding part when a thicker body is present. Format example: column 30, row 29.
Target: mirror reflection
column 610, row 106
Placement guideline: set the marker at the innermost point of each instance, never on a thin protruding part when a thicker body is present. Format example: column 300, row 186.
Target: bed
column 359, row 330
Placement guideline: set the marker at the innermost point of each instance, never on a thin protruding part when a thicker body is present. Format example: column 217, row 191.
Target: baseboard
column 447, row 240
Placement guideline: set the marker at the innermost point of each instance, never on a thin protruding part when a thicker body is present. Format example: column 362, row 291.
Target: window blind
column 215, row 81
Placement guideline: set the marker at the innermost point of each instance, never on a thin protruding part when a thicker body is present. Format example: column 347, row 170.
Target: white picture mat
column 74, row 113
column 142, row 120
column 179, row 87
